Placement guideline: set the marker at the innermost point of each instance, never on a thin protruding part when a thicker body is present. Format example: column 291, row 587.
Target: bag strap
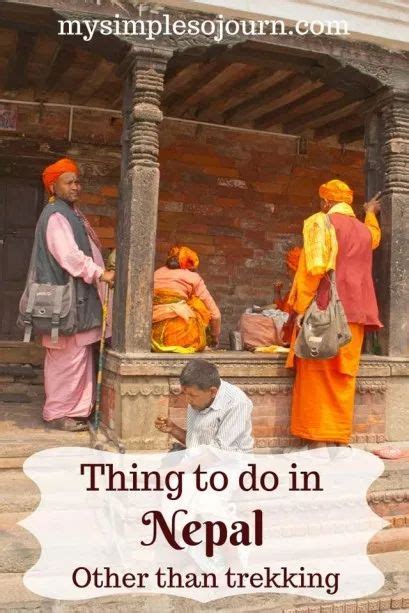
column 28, row 314
column 56, row 316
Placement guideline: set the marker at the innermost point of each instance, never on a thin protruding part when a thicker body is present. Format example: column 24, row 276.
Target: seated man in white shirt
column 218, row 413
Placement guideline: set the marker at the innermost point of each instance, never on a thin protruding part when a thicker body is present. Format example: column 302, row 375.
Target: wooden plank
column 339, row 125
column 93, row 83
column 60, row 63
column 333, row 110
column 223, row 84
column 17, row 68
column 16, row 352
column 266, row 58
column 255, row 84
column 287, row 90
column 209, row 71
column 286, row 111
column 181, row 79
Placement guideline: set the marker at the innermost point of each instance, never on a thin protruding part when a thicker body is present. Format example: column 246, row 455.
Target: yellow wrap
column 179, row 325
column 320, row 242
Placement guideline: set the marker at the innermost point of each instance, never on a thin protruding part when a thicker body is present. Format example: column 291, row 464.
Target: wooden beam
column 17, row 66
column 93, row 83
column 181, row 79
column 62, row 60
column 333, row 110
column 174, row 102
column 271, row 59
column 229, row 80
column 253, row 84
column 269, row 98
column 338, row 126
column 285, row 111
column 351, row 136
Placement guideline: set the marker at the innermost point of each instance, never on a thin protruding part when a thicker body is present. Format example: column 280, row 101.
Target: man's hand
column 215, row 340
column 164, row 425
column 298, row 321
column 109, row 277
column 374, row 204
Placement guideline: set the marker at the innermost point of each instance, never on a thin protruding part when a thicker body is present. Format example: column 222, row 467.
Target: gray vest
column 48, row 270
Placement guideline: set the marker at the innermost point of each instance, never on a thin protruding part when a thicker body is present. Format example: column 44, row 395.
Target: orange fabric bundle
column 171, row 332
column 187, row 258
column 336, row 191
column 52, row 172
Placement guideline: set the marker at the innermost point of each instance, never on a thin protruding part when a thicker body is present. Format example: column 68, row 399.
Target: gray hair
column 201, row 373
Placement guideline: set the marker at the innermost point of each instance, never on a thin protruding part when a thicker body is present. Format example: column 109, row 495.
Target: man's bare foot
column 68, row 424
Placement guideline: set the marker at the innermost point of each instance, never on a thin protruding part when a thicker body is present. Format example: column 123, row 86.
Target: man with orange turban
column 67, row 245
column 324, row 390
column 183, row 308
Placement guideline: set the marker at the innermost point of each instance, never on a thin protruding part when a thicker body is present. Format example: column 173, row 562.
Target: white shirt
column 226, row 424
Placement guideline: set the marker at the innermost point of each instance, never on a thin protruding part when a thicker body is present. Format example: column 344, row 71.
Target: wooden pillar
column 136, row 233
column 387, row 140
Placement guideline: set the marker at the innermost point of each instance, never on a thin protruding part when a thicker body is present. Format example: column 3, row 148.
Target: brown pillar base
column 134, row 401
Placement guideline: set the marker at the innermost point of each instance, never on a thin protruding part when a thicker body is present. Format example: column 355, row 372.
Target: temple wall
column 238, row 198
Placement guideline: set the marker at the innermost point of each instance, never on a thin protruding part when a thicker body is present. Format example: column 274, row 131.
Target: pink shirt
column 187, row 284
column 61, row 244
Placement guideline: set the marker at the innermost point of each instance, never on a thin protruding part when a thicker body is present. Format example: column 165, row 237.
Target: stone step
column 19, row 494
column 394, row 595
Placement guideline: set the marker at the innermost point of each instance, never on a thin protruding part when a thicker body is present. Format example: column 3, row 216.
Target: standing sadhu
column 183, row 309
column 324, row 390
column 67, row 244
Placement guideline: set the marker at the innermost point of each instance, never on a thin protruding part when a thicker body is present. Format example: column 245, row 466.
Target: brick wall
column 239, row 199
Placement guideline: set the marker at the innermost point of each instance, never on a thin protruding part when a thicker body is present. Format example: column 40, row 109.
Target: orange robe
column 182, row 310
column 324, row 390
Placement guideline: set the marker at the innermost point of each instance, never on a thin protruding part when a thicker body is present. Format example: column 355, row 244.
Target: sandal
column 68, row 424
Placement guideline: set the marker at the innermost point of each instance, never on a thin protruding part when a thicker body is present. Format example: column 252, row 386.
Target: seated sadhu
column 292, row 260
column 184, row 312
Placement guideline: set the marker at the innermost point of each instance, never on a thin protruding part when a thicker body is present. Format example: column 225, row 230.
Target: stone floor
column 22, row 433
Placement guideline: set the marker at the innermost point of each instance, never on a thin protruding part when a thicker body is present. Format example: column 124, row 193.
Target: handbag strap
column 28, row 315
column 57, row 305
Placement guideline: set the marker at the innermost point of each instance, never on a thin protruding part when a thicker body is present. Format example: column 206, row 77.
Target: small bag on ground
column 258, row 331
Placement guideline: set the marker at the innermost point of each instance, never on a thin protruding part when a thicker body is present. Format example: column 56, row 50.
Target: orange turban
column 187, row 257
column 293, row 257
column 51, row 173
column 336, row 191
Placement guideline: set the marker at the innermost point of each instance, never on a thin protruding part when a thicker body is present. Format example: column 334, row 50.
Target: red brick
column 94, row 220
column 110, row 190
column 107, row 221
column 105, row 232
column 87, row 198
column 220, row 172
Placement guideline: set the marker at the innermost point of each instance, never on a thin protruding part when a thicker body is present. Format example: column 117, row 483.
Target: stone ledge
column 237, row 364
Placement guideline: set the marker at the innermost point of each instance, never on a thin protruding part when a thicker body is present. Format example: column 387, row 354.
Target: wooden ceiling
column 252, row 85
